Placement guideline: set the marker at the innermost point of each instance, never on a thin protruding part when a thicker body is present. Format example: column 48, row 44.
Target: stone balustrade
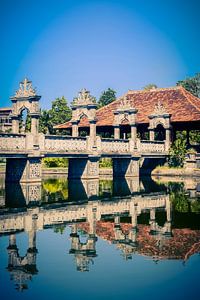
column 147, row 146
column 65, row 143
column 114, row 146
column 58, row 144
column 12, row 142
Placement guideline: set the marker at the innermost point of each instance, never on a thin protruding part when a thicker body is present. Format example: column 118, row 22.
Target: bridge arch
column 25, row 98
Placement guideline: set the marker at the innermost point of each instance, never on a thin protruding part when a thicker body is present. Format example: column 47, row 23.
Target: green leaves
column 191, row 84
column 59, row 113
column 177, row 153
column 107, row 97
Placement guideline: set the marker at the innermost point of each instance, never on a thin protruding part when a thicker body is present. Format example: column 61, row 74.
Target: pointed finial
column 25, row 89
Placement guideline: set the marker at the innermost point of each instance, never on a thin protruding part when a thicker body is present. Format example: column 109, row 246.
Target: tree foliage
column 191, row 84
column 59, row 113
column 177, row 153
column 150, row 86
column 107, row 97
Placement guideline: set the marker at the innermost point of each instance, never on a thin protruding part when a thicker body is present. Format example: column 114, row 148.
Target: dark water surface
column 100, row 239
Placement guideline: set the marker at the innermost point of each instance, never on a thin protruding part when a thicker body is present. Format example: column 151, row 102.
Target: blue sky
column 63, row 46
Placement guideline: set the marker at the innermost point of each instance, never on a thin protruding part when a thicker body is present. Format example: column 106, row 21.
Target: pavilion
column 178, row 108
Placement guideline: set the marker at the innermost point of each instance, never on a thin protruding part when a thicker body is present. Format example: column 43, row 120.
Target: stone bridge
column 24, row 151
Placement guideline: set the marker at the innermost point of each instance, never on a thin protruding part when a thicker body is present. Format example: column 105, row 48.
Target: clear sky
column 65, row 45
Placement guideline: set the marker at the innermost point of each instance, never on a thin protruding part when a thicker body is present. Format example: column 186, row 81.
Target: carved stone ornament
column 25, row 89
column 124, row 104
column 84, row 98
column 159, row 109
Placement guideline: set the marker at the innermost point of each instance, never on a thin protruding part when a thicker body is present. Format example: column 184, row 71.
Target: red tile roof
column 183, row 106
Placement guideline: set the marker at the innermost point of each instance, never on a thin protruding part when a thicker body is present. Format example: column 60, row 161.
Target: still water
column 100, row 239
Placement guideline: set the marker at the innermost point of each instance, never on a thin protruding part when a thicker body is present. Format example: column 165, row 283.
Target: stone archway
column 25, row 98
column 160, row 134
column 160, row 118
column 84, row 106
column 124, row 115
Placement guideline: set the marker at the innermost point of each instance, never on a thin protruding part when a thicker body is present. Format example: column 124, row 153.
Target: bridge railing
column 146, row 146
column 114, row 145
column 65, row 143
column 12, row 142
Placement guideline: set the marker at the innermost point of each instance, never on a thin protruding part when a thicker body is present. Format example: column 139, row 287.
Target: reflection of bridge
column 24, row 151
column 31, row 220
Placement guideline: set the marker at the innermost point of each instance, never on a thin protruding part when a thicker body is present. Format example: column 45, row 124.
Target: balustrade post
column 34, row 123
column 74, row 128
column 151, row 134
column 167, row 138
column 116, row 132
column 15, row 124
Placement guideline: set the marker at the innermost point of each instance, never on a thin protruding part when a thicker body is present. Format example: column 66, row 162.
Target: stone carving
column 35, row 169
column 124, row 104
column 159, row 109
column 151, row 146
column 60, row 143
column 115, row 146
column 12, row 142
column 84, row 98
column 25, row 89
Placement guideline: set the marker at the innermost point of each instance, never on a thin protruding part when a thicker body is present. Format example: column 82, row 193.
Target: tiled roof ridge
column 130, row 92
column 191, row 97
column 155, row 90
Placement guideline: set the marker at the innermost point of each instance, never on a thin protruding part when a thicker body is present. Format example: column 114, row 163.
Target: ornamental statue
column 25, row 89
column 84, row 98
column 159, row 109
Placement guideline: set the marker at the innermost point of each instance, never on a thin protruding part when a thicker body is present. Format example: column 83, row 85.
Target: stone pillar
column 151, row 134
column 134, row 133
column 167, row 138
column 117, row 222
column 15, row 124
column 126, row 167
column 23, row 169
column 74, row 128
column 93, row 129
column 116, row 132
column 85, row 168
column 34, row 124
column 152, row 221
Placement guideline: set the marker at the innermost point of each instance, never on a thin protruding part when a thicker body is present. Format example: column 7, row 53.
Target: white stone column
column 116, row 132
column 74, row 128
column 92, row 132
column 15, row 124
column 151, row 134
column 34, row 124
column 167, row 138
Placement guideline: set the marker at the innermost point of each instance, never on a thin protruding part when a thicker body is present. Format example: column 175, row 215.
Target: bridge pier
column 126, row 167
column 84, row 168
column 23, row 169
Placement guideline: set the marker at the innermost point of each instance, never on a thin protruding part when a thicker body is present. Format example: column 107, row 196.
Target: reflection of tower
column 125, row 242
column 161, row 232
column 83, row 252
column 22, row 268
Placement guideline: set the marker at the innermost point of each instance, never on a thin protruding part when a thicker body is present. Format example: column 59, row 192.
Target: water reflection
column 157, row 220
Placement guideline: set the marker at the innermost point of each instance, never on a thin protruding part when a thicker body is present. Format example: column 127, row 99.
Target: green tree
column 44, row 122
column 177, row 153
column 107, row 97
column 150, row 86
column 59, row 113
column 191, row 84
